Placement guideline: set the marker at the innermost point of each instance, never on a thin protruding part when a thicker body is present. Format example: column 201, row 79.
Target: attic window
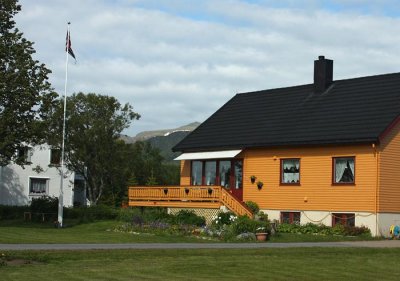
column 343, row 170
column 290, row 171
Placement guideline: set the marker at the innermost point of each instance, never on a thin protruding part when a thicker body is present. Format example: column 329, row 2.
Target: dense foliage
column 93, row 149
column 321, row 229
column 25, row 93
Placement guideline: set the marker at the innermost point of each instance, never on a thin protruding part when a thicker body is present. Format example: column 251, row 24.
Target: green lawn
column 252, row 264
column 12, row 232
column 96, row 232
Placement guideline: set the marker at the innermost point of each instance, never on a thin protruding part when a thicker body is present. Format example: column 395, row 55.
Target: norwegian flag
column 68, row 47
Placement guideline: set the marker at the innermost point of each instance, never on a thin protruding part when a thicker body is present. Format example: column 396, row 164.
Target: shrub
column 87, row 214
column 253, row 206
column 244, row 224
column 44, row 204
column 356, row 230
column 12, row 212
column 224, row 219
column 189, row 218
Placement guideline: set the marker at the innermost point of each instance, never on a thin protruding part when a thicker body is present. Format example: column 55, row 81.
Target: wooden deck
column 207, row 197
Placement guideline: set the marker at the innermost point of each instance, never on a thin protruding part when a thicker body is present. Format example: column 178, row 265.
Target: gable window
column 343, row 219
column 343, row 170
column 290, row 217
column 38, row 186
column 197, row 172
column 55, row 157
column 25, row 153
column 290, row 171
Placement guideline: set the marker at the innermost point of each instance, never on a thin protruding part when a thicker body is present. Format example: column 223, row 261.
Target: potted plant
column 261, row 233
column 260, row 184
column 187, row 190
column 253, row 179
column 210, row 191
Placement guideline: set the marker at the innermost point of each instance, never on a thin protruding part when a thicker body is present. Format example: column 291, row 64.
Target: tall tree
column 25, row 93
column 94, row 123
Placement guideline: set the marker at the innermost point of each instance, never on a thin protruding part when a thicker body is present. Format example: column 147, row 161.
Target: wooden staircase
column 207, row 197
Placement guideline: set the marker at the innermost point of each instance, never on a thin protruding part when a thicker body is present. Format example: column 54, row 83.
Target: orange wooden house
column 327, row 152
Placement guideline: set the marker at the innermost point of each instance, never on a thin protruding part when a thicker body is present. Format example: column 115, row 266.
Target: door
column 231, row 177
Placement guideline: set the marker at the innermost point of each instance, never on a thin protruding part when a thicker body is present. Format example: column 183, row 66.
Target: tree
column 25, row 93
column 93, row 149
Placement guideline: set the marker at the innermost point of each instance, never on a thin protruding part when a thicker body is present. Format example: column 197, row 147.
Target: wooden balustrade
column 185, row 196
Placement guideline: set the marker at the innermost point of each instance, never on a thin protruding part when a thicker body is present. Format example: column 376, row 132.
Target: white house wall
column 14, row 180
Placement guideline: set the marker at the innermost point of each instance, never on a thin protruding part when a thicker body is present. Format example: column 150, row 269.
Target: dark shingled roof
column 350, row 111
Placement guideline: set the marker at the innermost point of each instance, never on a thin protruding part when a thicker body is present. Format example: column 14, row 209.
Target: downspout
column 377, row 156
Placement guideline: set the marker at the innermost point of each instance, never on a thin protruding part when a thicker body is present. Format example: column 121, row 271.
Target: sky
column 178, row 61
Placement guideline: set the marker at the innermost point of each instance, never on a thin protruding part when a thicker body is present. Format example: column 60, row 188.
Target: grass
column 251, row 264
column 95, row 232
column 13, row 232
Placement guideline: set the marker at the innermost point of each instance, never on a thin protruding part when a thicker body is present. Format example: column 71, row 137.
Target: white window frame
column 38, row 194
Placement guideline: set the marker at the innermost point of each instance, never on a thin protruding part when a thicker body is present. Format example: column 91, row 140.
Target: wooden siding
column 316, row 191
column 185, row 172
column 389, row 174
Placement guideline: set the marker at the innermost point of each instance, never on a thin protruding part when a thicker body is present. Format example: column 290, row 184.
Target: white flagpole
column 61, row 196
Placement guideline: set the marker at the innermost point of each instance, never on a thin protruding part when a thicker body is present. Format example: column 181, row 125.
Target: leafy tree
column 25, row 93
column 93, row 149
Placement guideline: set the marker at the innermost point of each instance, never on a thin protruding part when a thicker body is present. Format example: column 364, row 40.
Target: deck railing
column 186, row 196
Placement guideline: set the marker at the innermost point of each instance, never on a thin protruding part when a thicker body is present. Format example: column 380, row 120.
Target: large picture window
column 290, row 171
column 343, row 170
column 226, row 173
column 38, row 186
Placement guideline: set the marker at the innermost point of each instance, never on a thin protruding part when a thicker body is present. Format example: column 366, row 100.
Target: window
column 225, row 173
column 343, row 170
column 290, row 171
column 55, row 156
column 24, row 154
column 38, row 186
column 197, row 172
column 343, row 219
column 211, row 173
column 290, row 217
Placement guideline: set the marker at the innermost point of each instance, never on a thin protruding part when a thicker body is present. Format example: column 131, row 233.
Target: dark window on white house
column 25, row 154
column 55, row 157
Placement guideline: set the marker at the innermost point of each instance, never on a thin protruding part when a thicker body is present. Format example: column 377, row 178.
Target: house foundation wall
column 385, row 220
column 361, row 219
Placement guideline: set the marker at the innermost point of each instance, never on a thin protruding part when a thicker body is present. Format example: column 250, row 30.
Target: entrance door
column 231, row 177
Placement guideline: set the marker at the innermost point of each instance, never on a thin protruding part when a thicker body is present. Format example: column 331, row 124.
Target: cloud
column 178, row 63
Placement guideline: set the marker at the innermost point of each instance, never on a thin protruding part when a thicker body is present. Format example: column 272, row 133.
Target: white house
column 40, row 176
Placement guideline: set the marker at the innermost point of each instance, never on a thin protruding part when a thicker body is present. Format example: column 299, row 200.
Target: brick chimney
column 323, row 74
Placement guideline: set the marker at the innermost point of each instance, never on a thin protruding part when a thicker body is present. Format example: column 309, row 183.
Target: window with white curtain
column 38, row 186
column 197, row 172
column 343, row 170
column 290, row 173
column 210, row 172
